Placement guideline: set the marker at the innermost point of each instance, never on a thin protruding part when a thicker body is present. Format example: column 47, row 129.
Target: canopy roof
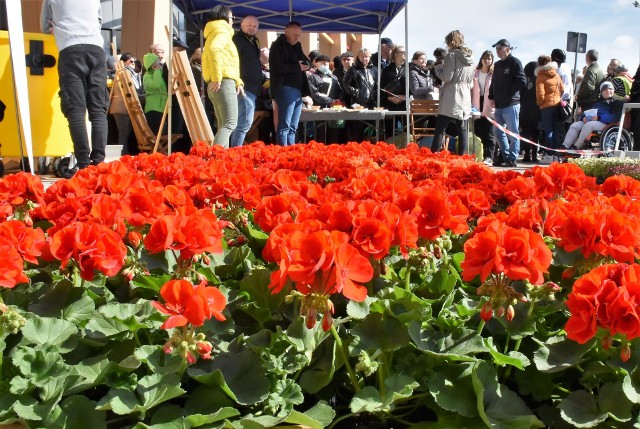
column 330, row 16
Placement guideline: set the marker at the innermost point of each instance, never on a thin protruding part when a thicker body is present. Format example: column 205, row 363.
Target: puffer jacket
column 456, row 73
column 421, row 83
column 220, row 55
column 154, row 85
column 487, row 109
column 549, row 87
column 360, row 84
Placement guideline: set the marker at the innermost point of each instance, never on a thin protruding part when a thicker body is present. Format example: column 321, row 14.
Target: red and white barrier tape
column 567, row 151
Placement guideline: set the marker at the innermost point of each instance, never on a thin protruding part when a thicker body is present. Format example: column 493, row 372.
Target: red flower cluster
column 92, row 246
column 497, row 248
column 607, row 297
column 186, row 303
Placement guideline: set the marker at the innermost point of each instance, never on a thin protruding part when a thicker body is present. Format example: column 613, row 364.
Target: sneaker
column 487, row 161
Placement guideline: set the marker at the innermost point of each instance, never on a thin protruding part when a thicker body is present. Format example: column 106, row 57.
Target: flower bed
column 321, row 286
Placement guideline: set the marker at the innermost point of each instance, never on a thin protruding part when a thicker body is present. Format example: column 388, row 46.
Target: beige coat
column 456, row 73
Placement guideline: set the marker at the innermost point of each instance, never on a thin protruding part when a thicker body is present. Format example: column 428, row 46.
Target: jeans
column 123, row 123
column 509, row 116
column 462, row 126
column 484, row 130
column 82, row 73
column 225, row 106
column 289, row 101
column 550, row 117
column 246, row 108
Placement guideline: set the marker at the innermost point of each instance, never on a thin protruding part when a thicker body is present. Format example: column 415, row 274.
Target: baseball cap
column 386, row 41
column 502, row 42
column 606, row 84
column 347, row 54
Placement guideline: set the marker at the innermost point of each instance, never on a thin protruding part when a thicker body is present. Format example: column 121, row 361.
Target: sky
column 533, row 27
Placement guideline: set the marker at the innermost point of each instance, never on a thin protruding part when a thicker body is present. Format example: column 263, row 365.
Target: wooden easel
column 148, row 141
column 186, row 90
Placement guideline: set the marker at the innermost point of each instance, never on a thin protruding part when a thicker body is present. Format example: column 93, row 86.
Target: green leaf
column 581, row 410
column 30, row 409
column 80, row 310
column 359, row 310
column 151, row 282
column 631, row 386
column 241, row 376
column 286, row 393
column 197, row 420
column 516, row 359
column 317, row 417
column 39, row 366
column 305, row 340
column 100, row 327
column 319, row 372
column 256, row 285
column 398, row 386
column 452, row 389
column 157, row 360
column 560, row 353
column 498, row 406
column 612, row 400
column 90, row 372
column 459, row 345
column 204, row 400
column 47, row 331
column 367, row 400
column 78, row 412
column 379, row 332
column 152, row 390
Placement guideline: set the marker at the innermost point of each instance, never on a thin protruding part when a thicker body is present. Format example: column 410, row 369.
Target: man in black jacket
column 288, row 81
column 251, row 73
column 508, row 80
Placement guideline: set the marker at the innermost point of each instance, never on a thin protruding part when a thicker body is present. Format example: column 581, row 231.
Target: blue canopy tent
column 331, row 16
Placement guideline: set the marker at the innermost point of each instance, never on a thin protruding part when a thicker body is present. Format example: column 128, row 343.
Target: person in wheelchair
column 605, row 111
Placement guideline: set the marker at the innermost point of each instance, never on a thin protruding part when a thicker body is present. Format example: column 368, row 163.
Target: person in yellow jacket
column 221, row 69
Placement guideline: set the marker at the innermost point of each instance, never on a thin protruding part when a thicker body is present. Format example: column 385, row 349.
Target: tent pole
column 407, row 101
column 169, row 79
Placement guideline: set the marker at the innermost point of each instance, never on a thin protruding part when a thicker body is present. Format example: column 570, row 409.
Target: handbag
column 565, row 112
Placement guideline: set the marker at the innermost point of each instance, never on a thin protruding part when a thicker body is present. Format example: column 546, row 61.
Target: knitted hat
column 606, row 84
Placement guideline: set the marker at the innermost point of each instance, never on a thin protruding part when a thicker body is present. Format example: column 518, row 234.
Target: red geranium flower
column 186, row 303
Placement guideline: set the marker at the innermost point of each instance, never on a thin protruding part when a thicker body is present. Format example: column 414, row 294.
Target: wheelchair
column 605, row 141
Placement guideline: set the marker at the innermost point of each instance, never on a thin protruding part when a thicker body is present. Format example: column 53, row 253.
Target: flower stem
column 345, row 358
column 407, row 277
column 480, row 327
column 507, row 372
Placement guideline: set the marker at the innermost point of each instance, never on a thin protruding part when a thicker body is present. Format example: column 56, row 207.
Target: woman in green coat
column 156, row 89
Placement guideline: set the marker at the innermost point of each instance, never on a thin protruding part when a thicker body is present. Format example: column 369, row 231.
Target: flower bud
column 511, row 312
column 167, row 348
column 625, row 352
column 607, row 342
column 191, row 358
column 487, row 312
column 204, row 348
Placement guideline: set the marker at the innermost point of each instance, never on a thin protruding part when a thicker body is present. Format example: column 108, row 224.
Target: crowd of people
column 504, row 99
